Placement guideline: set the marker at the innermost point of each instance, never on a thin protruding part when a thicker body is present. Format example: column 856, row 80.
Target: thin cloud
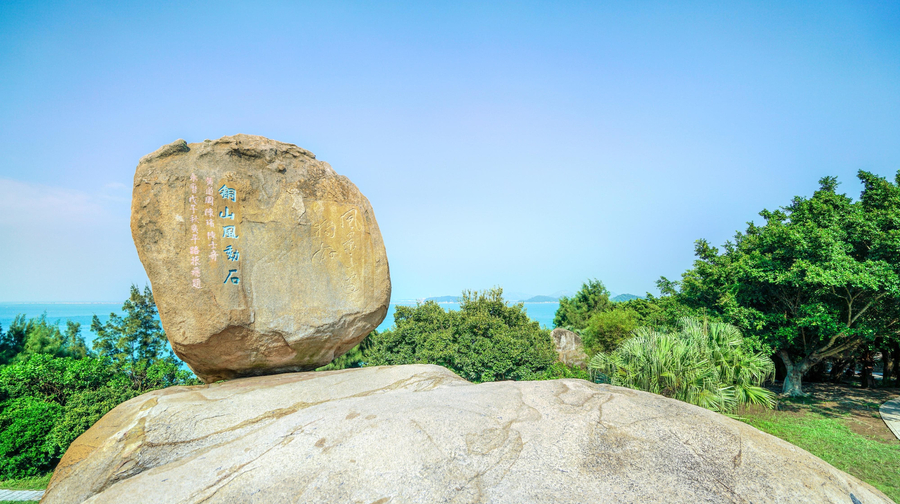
column 29, row 204
column 117, row 192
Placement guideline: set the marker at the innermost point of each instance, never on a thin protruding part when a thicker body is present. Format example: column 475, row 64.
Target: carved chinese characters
column 194, row 247
column 209, row 217
column 336, row 241
column 229, row 232
column 286, row 265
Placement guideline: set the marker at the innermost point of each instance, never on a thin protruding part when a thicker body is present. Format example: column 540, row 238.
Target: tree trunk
column 837, row 370
column 887, row 365
column 867, row 362
column 895, row 350
column 793, row 384
column 793, row 380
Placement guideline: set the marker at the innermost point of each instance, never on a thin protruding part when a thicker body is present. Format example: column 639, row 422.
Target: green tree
column 74, row 341
column 574, row 312
column 46, row 402
column 422, row 334
column 51, row 378
column 13, row 340
column 605, row 330
column 54, row 389
column 136, row 343
column 38, row 336
column 815, row 281
column 703, row 363
column 135, row 337
column 486, row 340
column 84, row 409
column 43, row 338
column 603, row 324
column 558, row 371
column 663, row 311
column 25, row 423
column 35, row 392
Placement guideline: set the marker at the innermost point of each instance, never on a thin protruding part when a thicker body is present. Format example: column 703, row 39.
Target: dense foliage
column 574, row 312
column 818, row 286
column 54, row 388
column 136, row 345
column 38, row 336
column 486, row 340
column 704, row 363
column 820, row 280
column 603, row 324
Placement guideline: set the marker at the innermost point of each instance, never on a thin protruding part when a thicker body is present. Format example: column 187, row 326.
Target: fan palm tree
column 703, row 363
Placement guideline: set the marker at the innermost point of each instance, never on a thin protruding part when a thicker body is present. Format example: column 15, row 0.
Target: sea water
column 83, row 313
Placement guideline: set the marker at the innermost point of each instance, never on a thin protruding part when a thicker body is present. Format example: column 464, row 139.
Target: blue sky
column 530, row 145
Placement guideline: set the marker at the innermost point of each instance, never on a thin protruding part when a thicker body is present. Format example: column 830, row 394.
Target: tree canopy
column 136, row 343
column 39, row 336
column 53, row 388
column 820, row 277
column 604, row 324
column 138, row 336
column 574, row 312
column 486, row 340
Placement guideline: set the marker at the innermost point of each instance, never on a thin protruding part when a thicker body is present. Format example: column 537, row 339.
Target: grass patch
column 35, row 483
column 846, row 435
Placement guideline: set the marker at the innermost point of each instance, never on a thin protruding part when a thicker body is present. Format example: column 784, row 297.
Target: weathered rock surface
column 569, row 348
column 421, row 434
column 262, row 259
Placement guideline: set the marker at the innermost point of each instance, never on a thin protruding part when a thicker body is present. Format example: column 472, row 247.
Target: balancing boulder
column 262, row 259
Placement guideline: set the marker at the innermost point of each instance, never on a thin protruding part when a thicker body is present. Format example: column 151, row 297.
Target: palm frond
column 704, row 363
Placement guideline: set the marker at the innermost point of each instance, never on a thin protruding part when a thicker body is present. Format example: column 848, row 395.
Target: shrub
column 559, row 370
column 25, row 423
column 486, row 340
column 81, row 412
column 605, row 330
column 704, row 363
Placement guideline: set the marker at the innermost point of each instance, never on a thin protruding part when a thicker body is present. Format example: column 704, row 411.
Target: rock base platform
column 420, row 433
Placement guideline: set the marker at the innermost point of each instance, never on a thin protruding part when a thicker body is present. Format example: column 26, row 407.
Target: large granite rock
column 569, row 348
column 421, row 434
column 262, row 259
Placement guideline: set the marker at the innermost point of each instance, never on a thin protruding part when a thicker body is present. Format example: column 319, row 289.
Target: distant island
column 541, row 299
column 624, row 297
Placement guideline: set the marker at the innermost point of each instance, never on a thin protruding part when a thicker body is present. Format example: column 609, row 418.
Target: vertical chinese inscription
column 230, row 232
column 348, row 221
column 208, row 215
column 193, row 247
column 350, row 225
column 340, row 237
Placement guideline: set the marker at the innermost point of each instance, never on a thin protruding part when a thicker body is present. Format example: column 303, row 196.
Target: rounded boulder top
column 262, row 259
